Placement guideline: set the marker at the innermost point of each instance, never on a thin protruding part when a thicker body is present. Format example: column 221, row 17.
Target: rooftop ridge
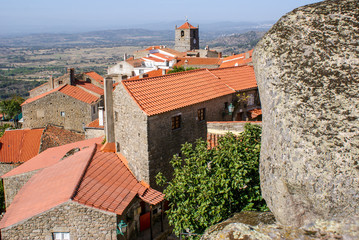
column 84, row 172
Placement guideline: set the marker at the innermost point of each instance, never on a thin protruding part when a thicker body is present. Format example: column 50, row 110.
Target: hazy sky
column 73, row 15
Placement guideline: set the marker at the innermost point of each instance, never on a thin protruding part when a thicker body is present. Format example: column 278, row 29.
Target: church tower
column 186, row 37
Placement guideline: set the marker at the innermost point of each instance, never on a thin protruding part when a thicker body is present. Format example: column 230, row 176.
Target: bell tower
column 186, row 37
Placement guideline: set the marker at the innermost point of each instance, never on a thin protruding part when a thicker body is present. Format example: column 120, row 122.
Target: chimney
column 124, row 57
column 109, row 128
column 100, row 116
column 219, row 54
column 72, row 76
column 247, row 55
column 163, row 71
column 51, row 81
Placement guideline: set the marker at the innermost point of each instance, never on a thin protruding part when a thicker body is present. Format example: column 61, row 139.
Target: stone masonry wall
column 224, row 127
column 39, row 90
column 6, row 167
column 47, row 110
column 13, row 184
column 165, row 142
column 80, row 221
column 131, row 132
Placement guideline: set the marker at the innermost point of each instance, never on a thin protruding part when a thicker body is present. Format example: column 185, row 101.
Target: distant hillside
column 236, row 43
column 108, row 38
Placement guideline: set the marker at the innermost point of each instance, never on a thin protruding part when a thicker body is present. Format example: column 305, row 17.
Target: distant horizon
column 40, row 16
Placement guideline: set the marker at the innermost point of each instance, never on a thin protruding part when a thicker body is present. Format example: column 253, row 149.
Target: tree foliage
column 180, row 69
column 209, row 185
column 11, row 107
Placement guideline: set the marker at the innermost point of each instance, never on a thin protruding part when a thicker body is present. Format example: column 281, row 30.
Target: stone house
column 154, row 116
column 69, row 106
column 197, row 62
column 69, row 78
column 85, row 193
column 20, row 145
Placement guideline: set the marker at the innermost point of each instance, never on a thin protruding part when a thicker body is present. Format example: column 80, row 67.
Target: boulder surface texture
column 307, row 69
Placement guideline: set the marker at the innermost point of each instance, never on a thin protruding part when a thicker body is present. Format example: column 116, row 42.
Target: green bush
column 209, row 185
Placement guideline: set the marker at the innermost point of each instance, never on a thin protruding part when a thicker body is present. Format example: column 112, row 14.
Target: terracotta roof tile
column 236, row 60
column 94, row 124
column 69, row 90
column 48, row 188
column 90, row 87
column 18, row 146
column 239, row 78
column 153, row 73
column 50, row 157
column 97, row 77
column 181, row 61
column 78, row 94
column 89, row 177
column 173, row 91
column 186, row 25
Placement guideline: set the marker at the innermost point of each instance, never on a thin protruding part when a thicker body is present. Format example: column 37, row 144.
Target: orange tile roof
column 255, row 112
column 239, row 78
column 90, row 87
column 153, row 47
column 152, row 59
column 236, row 60
column 134, row 62
column 94, row 124
column 97, row 77
column 50, row 157
column 69, row 90
column 163, row 56
column 173, row 91
column 153, row 73
column 173, row 52
column 186, row 25
column 18, row 146
column 78, row 94
column 89, row 177
column 162, row 94
column 197, row 61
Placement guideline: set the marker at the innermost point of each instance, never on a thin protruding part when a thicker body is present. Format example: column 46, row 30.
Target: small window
column 61, row 236
column 60, row 82
column 121, row 66
column 201, row 114
column 182, row 33
column 226, row 105
column 176, row 122
column 62, row 114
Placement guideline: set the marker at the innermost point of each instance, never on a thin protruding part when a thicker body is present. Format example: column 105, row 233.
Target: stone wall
column 13, row 184
column 165, row 142
column 47, row 110
column 39, row 90
column 80, row 221
column 131, row 132
column 7, row 167
column 307, row 69
column 94, row 132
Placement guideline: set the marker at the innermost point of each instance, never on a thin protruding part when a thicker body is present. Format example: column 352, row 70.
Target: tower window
column 182, row 33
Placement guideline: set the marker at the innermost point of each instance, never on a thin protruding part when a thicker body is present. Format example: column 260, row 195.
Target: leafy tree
column 2, row 130
column 11, row 107
column 180, row 69
column 209, row 185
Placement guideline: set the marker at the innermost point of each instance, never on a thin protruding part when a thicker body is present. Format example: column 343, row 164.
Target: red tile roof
column 161, row 94
column 18, row 146
column 50, row 156
column 95, row 76
column 197, row 61
column 239, row 78
column 152, row 59
column 153, row 73
column 237, row 60
column 90, row 87
column 72, row 91
column 186, row 25
column 255, row 112
column 89, row 177
column 94, row 124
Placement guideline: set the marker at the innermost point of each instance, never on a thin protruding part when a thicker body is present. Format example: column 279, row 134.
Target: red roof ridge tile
column 83, row 174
